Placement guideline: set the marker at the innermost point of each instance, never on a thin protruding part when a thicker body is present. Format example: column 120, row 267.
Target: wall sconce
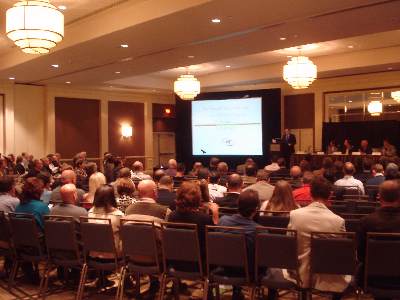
column 126, row 130
column 167, row 111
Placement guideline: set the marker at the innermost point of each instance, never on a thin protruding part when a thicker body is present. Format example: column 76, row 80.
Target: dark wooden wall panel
column 163, row 122
column 299, row 111
column 77, row 126
column 131, row 113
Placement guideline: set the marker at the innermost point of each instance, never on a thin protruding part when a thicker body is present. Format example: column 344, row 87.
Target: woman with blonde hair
column 282, row 198
column 96, row 180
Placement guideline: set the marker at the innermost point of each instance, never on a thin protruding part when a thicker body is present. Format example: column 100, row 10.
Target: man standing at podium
column 287, row 145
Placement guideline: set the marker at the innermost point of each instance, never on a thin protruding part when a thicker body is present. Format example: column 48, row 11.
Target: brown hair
column 282, row 198
column 31, row 190
column 188, row 197
column 125, row 186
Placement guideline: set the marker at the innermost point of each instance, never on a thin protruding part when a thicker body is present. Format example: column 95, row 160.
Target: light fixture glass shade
column 187, row 87
column 395, row 95
column 375, row 108
column 35, row 26
column 299, row 72
column 126, row 131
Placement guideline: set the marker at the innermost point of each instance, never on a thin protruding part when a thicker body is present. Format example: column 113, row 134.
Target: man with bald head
column 172, row 168
column 147, row 209
column 348, row 180
column 68, row 207
column 295, row 177
column 235, row 185
column 137, row 171
column 67, row 177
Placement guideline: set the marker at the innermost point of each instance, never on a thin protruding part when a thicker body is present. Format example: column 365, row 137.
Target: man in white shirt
column 137, row 172
column 349, row 180
column 273, row 166
column 214, row 190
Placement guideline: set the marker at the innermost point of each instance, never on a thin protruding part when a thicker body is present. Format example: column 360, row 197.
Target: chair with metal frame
column 382, row 265
column 140, row 258
column 269, row 254
column 339, row 245
column 228, row 267
column 6, row 246
column 97, row 240
column 278, row 221
column 182, row 257
column 62, row 245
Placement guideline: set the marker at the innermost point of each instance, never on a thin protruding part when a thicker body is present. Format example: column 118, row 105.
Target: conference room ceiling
column 165, row 37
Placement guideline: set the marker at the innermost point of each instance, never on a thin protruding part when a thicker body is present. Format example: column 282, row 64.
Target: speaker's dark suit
column 287, row 146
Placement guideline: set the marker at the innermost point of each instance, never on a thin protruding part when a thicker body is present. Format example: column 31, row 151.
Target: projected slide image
column 227, row 127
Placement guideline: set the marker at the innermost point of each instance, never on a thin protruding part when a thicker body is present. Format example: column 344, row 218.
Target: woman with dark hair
column 30, row 200
column 105, row 207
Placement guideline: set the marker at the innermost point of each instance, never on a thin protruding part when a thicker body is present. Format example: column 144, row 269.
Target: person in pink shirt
column 302, row 195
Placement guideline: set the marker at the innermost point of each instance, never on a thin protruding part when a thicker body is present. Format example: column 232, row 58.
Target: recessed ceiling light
column 68, row 82
column 227, row 66
column 350, row 101
column 62, row 7
column 282, row 39
column 390, row 104
column 350, row 46
column 55, row 66
column 216, row 20
column 190, row 56
column 11, row 78
column 117, row 72
column 124, row 45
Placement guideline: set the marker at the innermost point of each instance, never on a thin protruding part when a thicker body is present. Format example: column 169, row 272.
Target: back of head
column 222, row 168
column 389, row 192
column 262, row 175
column 377, row 168
column 367, row 164
column 214, row 177
column 104, row 197
column 68, row 193
column 214, row 163
column 392, row 171
column 158, row 174
column 137, row 166
column 19, row 159
column 181, row 168
column 282, row 197
column 251, row 170
column 31, row 190
column 172, row 164
column 305, row 165
column 348, row 169
column 338, row 166
column 166, row 182
column 95, row 181
column 6, row 184
column 124, row 173
column 327, row 163
column 295, row 172
column 248, row 203
column 147, row 189
column 90, row 168
column 203, row 173
column 68, row 176
column 235, row 182
column 320, row 188
column 308, row 177
column 125, row 186
column 281, row 162
column 188, row 196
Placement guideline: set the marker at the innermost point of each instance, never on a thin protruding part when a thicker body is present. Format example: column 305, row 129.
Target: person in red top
column 302, row 195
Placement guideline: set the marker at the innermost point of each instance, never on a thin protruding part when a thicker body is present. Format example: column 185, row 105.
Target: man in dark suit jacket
column 365, row 148
column 377, row 178
column 165, row 194
column 235, row 184
column 384, row 219
column 288, row 141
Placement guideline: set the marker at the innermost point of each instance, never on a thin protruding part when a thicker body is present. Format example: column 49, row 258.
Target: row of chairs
column 181, row 256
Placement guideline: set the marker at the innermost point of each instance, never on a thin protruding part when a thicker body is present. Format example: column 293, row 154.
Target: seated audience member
column 214, row 161
column 305, row 166
column 172, row 168
column 46, row 163
column 19, row 166
column 46, row 179
column 392, row 171
column 282, row 199
column 327, row 164
column 248, row 204
column 283, row 171
column 377, row 175
column 348, row 180
column 67, row 176
column 222, row 170
column 36, row 168
column 146, row 208
column 386, row 219
column 295, row 177
column 118, row 165
column 262, row 186
column 158, row 174
column 312, row 218
column 241, row 169
column 69, row 206
column 165, row 194
column 90, row 168
column 365, row 171
column 109, row 165
column 206, row 205
column 8, row 201
column 204, row 175
column 332, row 147
column 96, row 180
column 54, row 164
column 125, row 190
column 273, row 166
column 80, row 172
column 105, row 207
column 235, row 185
column 196, row 167
column 250, row 176
column 30, row 200
column 215, row 189
column 180, row 170
column 365, row 148
column 302, row 195
column 347, row 147
column 188, row 202
column 137, row 172
column 388, row 149
column 338, row 170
